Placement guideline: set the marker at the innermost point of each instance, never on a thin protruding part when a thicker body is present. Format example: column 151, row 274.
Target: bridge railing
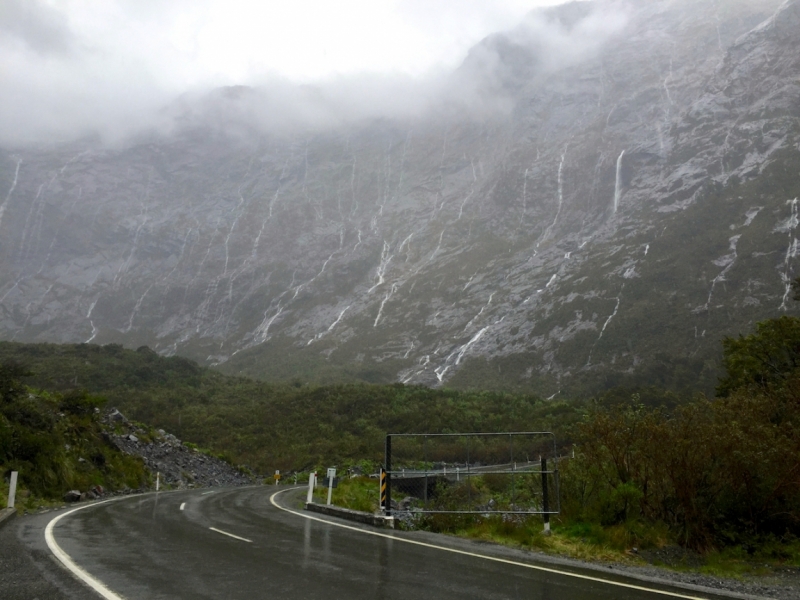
column 472, row 473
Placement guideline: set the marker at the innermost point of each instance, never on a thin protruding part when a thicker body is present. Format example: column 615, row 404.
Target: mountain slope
column 579, row 215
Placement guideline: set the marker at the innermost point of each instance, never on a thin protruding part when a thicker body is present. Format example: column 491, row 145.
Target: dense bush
column 724, row 471
column 286, row 426
column 55, row 441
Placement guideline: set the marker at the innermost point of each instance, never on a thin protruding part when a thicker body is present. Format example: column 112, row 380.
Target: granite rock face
column 613, row 212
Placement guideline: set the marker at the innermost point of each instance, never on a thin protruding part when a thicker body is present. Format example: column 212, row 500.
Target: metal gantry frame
column 509, row 468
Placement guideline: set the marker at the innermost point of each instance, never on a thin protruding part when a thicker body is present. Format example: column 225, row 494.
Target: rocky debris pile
column 76, row 496
column 178, row 465
column 405, row 515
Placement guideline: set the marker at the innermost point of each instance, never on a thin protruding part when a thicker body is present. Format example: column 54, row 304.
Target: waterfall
column 791, row 252
column 549, row 230
column 11, row 190
column 618, row 184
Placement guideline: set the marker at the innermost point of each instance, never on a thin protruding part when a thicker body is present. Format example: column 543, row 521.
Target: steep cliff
column 556, row 220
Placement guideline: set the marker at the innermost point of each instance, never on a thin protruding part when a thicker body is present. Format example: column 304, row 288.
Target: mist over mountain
column 596, row 196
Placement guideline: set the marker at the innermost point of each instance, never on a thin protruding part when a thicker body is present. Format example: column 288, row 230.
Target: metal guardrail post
column 545, row 497
column 469, row 480
column 388, row 459
column 425, row 462
column 514, row 464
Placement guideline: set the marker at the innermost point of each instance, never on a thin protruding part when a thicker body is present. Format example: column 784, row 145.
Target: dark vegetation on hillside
column 714, row 473
column 287, row 426
column 717, row 472
column 56, row 442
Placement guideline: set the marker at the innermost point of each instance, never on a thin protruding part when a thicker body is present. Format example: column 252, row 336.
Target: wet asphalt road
column 147, row 547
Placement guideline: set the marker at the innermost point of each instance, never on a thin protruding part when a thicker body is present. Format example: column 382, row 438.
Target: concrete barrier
column 6, row 514
column 351, row 515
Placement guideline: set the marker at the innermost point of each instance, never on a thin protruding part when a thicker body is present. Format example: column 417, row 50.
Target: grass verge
column 634, row 542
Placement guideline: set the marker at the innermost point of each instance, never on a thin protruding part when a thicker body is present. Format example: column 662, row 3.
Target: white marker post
column 158, row 480
column 12, row 489
column 331, row 477
column 311, row 485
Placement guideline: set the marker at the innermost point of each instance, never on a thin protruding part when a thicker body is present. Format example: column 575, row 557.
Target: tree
column 763, row 360
column 11, row 387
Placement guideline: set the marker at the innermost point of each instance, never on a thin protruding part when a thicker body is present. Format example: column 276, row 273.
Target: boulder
column 116, row 416
column 72, row 496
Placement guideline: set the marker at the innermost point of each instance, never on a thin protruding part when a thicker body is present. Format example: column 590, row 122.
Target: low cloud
column 36, row 26
column 59, row 86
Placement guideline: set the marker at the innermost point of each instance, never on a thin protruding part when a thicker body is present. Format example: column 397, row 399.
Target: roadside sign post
column 331, row 477
column 311, row 484
column 277, row 476
column 12, row 489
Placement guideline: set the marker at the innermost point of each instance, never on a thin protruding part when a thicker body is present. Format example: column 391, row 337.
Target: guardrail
column 448, row 473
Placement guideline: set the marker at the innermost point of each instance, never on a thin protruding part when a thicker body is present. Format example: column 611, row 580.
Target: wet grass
column 358, row 493
column 528, row 534
column 585, row 541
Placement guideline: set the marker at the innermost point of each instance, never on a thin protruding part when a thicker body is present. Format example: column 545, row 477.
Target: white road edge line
column 231, row 535
column 183, row 505
column 94, row 583
column 483, row 556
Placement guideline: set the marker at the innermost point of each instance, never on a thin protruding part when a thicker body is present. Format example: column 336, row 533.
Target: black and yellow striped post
column 383, row 490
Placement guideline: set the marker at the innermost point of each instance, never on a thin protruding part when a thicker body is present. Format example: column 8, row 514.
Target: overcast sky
column 67, row 65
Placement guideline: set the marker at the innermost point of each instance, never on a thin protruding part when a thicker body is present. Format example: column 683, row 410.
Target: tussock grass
column 358, row 493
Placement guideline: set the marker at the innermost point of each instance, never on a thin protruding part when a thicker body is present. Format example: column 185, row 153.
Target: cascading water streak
column 385, row 260
column 549, row 230
column 791, row 252
column 10, row 191
column 618, row 183
column 319, row 336
column 727, row 262
column 605, row 326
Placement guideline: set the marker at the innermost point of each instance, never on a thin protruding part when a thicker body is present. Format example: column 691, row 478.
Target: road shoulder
column 27, row 568
column 660, row 578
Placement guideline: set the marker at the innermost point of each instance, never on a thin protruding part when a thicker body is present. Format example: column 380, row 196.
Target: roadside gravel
column 781, row 585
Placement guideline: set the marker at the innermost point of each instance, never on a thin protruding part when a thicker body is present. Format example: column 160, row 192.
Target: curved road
column 254, row 543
